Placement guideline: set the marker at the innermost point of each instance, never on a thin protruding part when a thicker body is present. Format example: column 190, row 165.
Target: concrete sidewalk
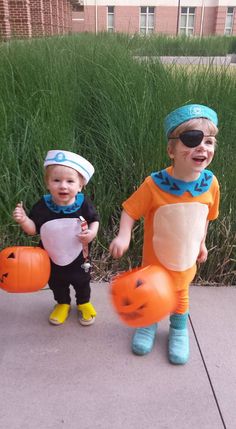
column 225, row 61
column 78, row 377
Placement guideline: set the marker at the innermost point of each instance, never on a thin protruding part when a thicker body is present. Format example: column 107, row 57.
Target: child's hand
column 86, row 236
column 118, row 247
column 202, row 256
column 19, row 213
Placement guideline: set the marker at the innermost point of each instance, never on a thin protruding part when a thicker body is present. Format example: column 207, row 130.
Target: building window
column 77, row 6
column 229, row 21
column 147, row 19
column 110, row 19
column 187, row 21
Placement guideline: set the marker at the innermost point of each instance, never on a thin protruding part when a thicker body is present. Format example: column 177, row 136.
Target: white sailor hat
column 70, row 159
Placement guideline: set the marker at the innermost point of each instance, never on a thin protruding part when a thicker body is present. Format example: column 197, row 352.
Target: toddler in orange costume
column 177, row 204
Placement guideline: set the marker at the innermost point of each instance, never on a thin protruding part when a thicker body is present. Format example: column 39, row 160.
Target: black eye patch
column 191, row 138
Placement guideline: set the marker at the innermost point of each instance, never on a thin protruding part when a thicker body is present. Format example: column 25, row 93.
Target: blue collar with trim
column 174, row 186
column 79, row 199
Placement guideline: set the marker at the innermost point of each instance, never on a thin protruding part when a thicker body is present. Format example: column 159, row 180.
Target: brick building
column 171, row 17
column 32, row 18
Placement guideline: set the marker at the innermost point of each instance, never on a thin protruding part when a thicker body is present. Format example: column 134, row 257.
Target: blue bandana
column 178, row 187
column 187, row 112
column 79, row 199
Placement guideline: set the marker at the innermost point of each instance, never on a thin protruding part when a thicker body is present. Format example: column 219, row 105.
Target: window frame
column 78, row 7
column 111, row 13
column 188, row 14
column 149, row 12
column 229, row 30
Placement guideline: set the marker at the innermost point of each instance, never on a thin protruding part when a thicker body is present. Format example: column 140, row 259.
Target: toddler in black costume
column 59, row 218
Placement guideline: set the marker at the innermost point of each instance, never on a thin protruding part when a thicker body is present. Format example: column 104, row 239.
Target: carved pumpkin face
column 143, row 296
column 23, row 269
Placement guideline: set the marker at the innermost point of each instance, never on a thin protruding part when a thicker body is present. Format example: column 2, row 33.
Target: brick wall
column 220, row 21
column 126, row 18
column 5, row 30
column 208, row 21
column 19, row 18
column 37, row 18
column 34, row 18
column 47, row 17
column 166, row 20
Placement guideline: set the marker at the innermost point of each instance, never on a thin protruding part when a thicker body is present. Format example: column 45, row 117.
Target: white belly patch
column 60, row 239
column 178, row 230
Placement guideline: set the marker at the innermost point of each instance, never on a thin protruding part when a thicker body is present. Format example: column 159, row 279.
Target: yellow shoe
column 87, row 313
column 59, row 314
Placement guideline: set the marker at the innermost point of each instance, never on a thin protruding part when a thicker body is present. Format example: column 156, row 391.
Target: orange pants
column 182, row 280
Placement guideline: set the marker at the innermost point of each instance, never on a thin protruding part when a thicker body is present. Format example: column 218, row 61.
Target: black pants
column 63, row 276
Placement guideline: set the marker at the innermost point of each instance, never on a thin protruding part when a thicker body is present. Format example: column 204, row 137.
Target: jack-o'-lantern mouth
column 136, row 314
column 5, row 275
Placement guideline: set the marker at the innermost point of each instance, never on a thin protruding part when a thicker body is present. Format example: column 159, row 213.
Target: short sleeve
column 139, row 202
column 89, row 211
column 36, row 214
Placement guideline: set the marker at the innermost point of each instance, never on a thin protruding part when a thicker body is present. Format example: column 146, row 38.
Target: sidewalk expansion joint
column 208, row 374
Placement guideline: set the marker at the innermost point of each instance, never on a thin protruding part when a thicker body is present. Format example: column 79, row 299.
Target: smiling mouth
column 199, row 159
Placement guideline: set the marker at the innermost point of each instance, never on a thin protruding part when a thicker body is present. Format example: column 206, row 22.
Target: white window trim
column 147, row 14
column 229, row 14
column 187, row 21
column 113, row 15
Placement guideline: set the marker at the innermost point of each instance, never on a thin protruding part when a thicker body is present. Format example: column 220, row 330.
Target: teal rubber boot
column 178, row 346
column 143, row 340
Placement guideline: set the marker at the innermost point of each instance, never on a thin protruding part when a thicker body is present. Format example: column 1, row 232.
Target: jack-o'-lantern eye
column 139, row 282
column 12, row 255
column 126, row 301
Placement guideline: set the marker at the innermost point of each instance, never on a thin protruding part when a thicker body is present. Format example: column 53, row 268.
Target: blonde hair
column 195, row 124
column 49, row 168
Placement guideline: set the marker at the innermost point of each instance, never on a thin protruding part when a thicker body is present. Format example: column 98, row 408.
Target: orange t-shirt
column 174, row 225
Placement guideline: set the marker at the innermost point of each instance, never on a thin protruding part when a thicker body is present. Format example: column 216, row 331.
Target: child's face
column 63, row 184
column 189, row 162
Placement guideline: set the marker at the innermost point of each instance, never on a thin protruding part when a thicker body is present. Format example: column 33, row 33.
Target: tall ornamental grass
column 183, row 45
column 87, row 94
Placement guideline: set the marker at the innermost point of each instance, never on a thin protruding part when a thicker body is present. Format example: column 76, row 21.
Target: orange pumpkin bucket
column 24, row 269
column 143, row 296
